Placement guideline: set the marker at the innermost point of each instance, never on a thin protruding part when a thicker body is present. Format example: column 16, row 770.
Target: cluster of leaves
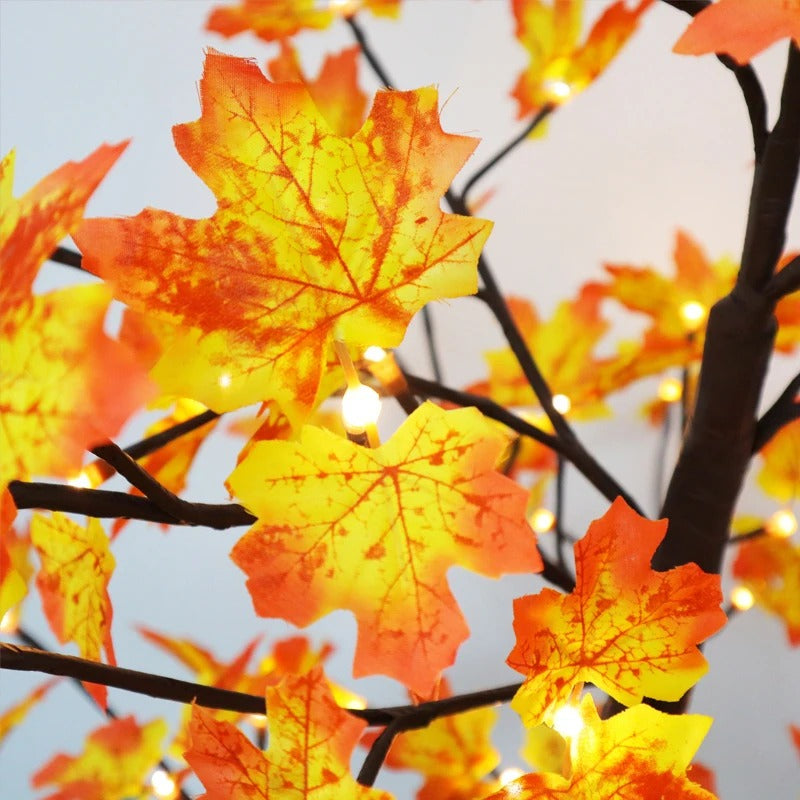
column 327, row 239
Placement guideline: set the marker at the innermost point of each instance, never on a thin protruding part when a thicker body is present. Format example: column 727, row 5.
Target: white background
column 660, row 142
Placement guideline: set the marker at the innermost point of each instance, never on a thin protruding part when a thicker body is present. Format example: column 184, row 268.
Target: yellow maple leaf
column 334, row 237
column 73, row 583
column 640, row 754
column 779, row 475
column 374, row 531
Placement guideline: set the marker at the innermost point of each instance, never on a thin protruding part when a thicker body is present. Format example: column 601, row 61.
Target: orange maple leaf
column 641, row 754
column 113, row 765
column 374, row 531
column 15, row 716
column 32, row 226
column 278, row 19
column 345, row 239
column 703, row 776
column 794, row 732
column 13, row 585
column 740, row 28
column 770, row 567
column 559, row 66
column 311, row 740
column 454, row 754
column 779, row 475
column 629, row 630
column 73, row 583
column 335, row 90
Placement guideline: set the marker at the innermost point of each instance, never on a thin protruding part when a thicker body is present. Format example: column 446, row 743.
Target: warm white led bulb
column 361, row 406
column 561, row 403
column 162, row 783
column 742, row 598
column 224, row 380
column 81, row 480
column 692, row 313
column 510, row 774
column 542, row 520
column 557, row 89
column 374, row 353
column 568, row 721
column 670, row 390
column 782, row 524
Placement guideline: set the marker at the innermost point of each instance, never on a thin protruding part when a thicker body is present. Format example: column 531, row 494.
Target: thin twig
column 661, row 458
column 67, row 257
column 560, row 539
column 430, row 339
column 378, row 752
column 784, row 282
column 784, row 410
column 372, row 59
column 534, row 123
column 745, row 76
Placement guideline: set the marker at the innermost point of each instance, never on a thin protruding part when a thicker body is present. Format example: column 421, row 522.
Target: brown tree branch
column 784, row 282
column 784, row 410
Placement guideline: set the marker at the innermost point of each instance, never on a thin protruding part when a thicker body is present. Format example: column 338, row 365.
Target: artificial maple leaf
column 770, row 567
column 310, row 743
column 346, row 239
column 627, row 629
column 13, row 586
column 73, row 583
column 374, row 531
column 453, row 753
column 335, row 90
column 32, row 226
column 13, row 717
column 794, row 731
column 113, row 765
column 278, row 19
column 740, row 28
column 545, row 749
column 170, row 464
column 703, row 776
column 559, row 66
column 563, row 346
column 640, row 754
column 779, row 475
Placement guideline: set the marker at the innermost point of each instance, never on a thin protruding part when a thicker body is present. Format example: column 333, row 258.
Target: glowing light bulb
column 561, row 403
column 162, row 783
column 258, row 721
column 81, row 480
column 356, row 703
column 670, row 390
column 510, row 774
column 782, row 524
column 10, row 620
column 345, row 7
column 542, row 520
column 361, row 406
column 693, row 314
column 224, row 380
column 557, row 89
column 742, row 598
column 568, row 721
column 375, row 353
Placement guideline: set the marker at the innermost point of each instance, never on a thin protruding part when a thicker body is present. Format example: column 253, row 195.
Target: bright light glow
column 10, row 620
column 670, row 390
column 358, row 703
column 782, row 524
column 693, row 314
column 258, row 721
column 224, row 380
column 344, row 6
column 375, row 353
column 510, row 774
column 542, row 520
column 557, row 89
column 568, row 721
column 162, row 783
column 81, row 480
column 360, row 408
column 561, row 403
column 742, row 598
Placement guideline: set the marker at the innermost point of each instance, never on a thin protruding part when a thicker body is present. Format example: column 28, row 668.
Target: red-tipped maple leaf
column 375, row 531
column 559, row 66
column 640, row 754
column 73, row 583
column 332, row 237
column 278, row 19
column 770, row 567
column 113, row 765
column 627, row 629
column 335, row 90
column 311, row 740
column 740, row 28
column 454, row 754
